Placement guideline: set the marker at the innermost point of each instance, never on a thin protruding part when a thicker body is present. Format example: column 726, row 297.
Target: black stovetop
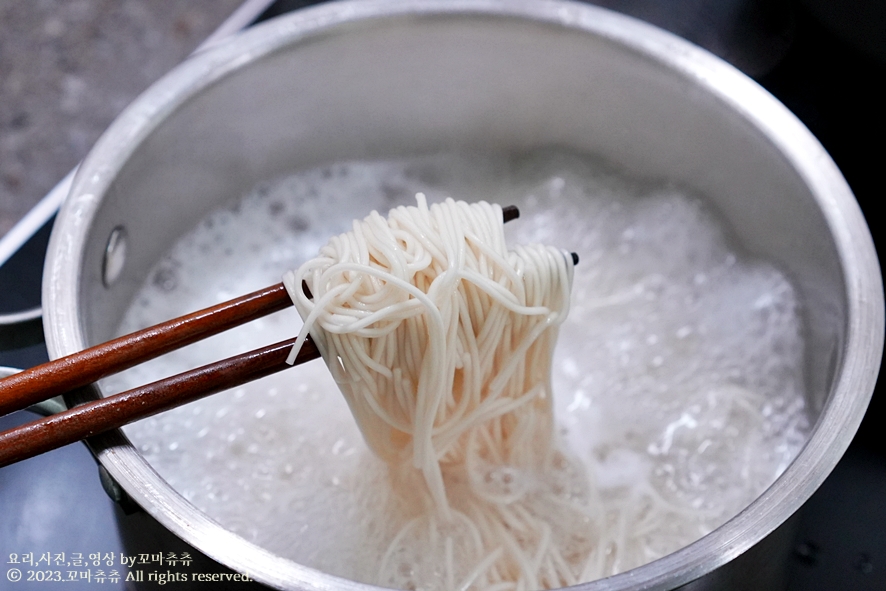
column 54, row 503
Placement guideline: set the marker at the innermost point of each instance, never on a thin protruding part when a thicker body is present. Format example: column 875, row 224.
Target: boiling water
column 677, row 376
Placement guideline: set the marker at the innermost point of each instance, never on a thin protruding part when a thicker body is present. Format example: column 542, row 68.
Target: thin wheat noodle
column 441, row 340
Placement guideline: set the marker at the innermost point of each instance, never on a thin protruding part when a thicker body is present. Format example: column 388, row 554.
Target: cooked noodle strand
column 441, row 340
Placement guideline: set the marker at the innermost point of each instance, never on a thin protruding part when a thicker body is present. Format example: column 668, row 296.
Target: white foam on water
column 677, row 376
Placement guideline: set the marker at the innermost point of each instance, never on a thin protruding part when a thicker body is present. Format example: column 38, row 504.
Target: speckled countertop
column 68, row 67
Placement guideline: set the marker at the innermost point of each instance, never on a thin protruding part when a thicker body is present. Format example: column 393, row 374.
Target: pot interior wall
column 414, row 85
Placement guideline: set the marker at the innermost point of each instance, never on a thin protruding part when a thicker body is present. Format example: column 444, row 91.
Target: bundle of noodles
column 441, row 341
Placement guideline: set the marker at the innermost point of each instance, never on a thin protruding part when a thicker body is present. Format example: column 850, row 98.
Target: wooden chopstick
column 30, row 386
column 102, row 415
column 90, row 365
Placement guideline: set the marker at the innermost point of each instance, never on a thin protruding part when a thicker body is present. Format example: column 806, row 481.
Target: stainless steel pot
column 389, row 78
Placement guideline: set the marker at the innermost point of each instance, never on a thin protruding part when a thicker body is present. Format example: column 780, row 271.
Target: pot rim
column 857, row 366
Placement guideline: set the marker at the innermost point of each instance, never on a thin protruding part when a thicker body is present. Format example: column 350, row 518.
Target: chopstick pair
column 90, row 365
